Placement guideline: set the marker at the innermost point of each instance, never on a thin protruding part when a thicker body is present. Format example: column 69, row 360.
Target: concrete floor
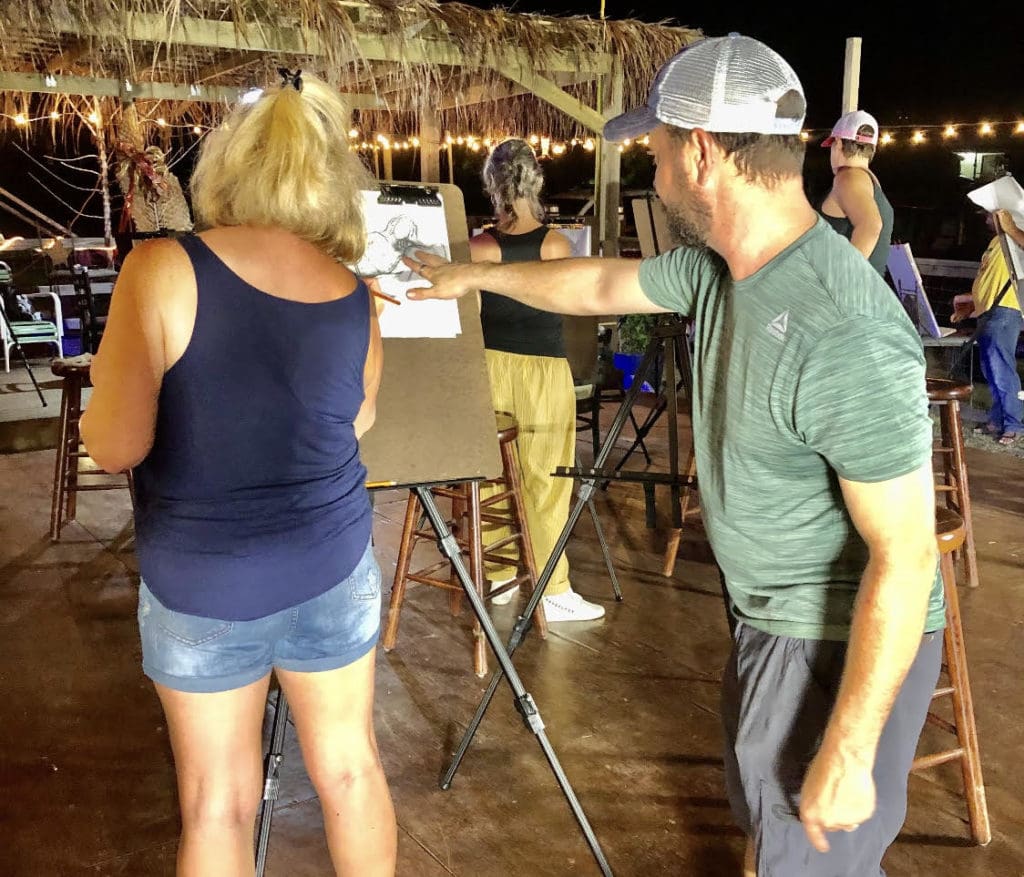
column 630, row 703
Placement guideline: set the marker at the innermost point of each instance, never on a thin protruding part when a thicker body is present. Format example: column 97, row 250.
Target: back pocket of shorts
column 192, row 630
column 365, row 579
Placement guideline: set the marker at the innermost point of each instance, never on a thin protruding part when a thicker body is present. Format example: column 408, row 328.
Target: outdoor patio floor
column 630, row 704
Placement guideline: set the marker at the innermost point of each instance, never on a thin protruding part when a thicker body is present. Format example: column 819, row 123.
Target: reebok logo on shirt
column 778, row 326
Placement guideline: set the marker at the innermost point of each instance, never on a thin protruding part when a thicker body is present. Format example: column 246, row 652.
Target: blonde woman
column 530, row 376
column 238, row 369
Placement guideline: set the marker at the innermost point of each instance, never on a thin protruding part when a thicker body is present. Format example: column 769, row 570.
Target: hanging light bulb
column 162, row 122
column 918, row 137
column 886, row 138
column 588, row 144
column 353, row 133
column 985, row 129
column 949, row 131
column 1019, row 129
column 94, row 118
column 54, row 115
column 20, row 120
column 197, row 130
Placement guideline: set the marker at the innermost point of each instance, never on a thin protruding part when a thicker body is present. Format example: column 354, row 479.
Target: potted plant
column 634, row 336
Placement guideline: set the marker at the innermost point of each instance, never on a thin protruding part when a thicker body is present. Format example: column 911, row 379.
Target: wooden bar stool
column 950, row 533
column 689, row 506
column 469, row 514
column 73, row 463
column 952, row 471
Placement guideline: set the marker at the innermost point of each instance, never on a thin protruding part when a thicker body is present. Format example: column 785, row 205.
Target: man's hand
column 1005, row 221
column 838, row 795
column 447, row 279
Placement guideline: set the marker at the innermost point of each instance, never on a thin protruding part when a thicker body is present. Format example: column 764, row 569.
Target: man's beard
column 689, row 221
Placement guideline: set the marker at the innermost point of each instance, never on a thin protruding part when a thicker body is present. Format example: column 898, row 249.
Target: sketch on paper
column 393, row 231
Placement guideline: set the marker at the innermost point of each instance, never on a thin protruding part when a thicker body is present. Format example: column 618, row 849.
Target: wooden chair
column 469, row 514
column 951, row 470
column 950, row 533
column 74, row 470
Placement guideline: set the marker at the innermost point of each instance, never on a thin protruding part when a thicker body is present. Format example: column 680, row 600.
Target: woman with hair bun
column 238, row 369
column 530, row 376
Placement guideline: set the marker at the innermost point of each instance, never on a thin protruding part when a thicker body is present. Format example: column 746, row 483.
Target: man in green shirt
column 813, row 448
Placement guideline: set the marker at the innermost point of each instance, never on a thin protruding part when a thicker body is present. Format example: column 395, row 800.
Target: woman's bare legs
column 333, row 713
column 217, row 746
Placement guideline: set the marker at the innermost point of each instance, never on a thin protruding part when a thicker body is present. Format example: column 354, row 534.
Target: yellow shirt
column 992, row 276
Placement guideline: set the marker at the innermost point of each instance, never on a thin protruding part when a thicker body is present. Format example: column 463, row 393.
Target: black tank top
column 880, row 254
column 514, row 327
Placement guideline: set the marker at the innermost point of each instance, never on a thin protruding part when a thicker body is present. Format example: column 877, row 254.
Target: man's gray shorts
column 777, row 695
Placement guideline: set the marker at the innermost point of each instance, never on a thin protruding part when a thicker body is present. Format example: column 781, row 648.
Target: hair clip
column 289, row 78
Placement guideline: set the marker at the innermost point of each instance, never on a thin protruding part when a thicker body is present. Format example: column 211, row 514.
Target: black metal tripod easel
column 665, row 340
column 524, row 702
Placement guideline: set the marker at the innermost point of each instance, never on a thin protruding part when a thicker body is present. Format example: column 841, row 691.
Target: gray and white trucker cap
column 725, row 84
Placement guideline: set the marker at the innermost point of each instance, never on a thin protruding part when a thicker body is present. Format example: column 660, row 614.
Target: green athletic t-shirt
column 807, row 371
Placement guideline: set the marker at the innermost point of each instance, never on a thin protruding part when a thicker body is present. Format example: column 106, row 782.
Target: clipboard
column 435, row 418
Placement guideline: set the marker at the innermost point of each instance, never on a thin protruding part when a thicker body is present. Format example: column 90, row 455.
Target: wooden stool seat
column 73, row 462
column 951, row 535
column 941, row 390
column 951, row 471
column 469, row 514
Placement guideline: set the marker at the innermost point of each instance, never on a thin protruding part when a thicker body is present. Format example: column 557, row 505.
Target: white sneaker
column 570, row 606
column 502, row 599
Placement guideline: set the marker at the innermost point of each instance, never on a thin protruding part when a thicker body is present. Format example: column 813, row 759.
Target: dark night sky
column 921, row 63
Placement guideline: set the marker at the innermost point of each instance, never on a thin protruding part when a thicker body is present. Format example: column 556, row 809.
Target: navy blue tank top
column 253, row 497
column 512, row 326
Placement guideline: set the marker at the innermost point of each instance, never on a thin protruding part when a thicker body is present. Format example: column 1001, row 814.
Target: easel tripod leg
column 271, row 782
column 524, row 703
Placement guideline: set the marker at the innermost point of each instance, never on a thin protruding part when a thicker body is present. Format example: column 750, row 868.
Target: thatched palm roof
column 477, row 68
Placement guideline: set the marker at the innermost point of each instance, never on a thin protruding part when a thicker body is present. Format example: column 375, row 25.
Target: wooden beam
column 610, row 179
column 482, row 93
column 96, row 86
column 234, row 61
column 189, row 31
column 851, row 74
column 67, row 56
column 430, row 146
column 547, row 90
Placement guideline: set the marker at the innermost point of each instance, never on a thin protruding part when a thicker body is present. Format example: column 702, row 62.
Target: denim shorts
column 196, row 654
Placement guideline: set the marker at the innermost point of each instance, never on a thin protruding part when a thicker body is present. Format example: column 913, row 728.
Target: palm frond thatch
column 91, row 38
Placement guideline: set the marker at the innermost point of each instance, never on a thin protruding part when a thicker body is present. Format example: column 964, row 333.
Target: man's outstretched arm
column 562, row 286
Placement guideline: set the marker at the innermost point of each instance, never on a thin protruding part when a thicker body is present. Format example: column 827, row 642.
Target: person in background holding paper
column 1001, row 325
column 814, row 456
column 856, row 207
column 529, row 374
column 238, row 369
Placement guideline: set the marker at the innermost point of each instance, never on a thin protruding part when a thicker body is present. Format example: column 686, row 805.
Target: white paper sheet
column 395, row 230
column 1004, row 194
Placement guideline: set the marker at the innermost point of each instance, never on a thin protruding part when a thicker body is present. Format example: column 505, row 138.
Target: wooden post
column 430, row 145
column 609, row 169
column 389, row 174
column 851, row 74
column 451, row 164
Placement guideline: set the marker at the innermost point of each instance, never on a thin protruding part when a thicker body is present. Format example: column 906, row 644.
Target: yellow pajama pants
column 538, row 391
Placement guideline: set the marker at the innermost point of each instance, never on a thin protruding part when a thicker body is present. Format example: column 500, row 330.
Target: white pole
column 851, row 74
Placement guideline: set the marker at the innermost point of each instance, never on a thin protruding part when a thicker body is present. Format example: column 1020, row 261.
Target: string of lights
column 549, row 147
